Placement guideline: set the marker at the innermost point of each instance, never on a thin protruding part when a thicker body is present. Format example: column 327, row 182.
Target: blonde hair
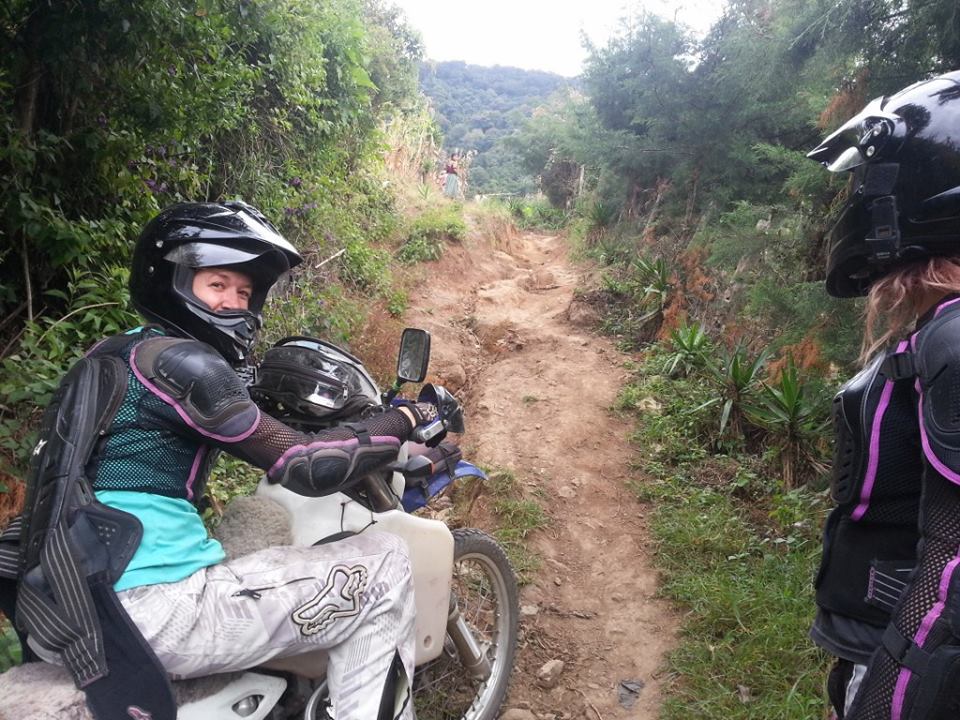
column 902, row 296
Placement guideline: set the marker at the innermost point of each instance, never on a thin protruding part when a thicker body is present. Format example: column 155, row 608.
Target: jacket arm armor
column 937, row 360
column 216, row 409
column 330, row 460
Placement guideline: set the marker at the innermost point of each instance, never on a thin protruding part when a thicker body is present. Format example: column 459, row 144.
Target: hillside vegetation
column 477, row 108
column 690, row 152
column 110, row 111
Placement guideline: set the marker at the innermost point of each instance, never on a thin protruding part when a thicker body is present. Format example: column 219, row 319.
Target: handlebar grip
column 425, row 433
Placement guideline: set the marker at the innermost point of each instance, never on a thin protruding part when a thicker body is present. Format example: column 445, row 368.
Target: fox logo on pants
column 339, row 597
column 138, row 714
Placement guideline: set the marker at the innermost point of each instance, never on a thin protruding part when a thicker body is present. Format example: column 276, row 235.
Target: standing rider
column 201, row 273
column 888, row 589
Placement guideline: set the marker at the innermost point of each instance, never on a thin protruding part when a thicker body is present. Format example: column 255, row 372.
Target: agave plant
column 795, row 420
column 691, row 344
column 738, row 379
column 653, row 277
column 601, row 215
column 517, row 207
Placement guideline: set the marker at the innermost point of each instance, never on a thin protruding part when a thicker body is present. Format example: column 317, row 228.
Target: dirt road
column 537, row 390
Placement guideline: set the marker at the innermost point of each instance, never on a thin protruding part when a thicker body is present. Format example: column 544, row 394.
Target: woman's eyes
column 220, row 285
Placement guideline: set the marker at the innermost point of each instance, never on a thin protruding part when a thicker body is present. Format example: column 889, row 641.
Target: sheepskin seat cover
column 250, row 524
column 38, row 691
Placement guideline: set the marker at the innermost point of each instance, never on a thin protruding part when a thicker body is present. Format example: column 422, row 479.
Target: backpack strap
column 9, row 574
column 10, row 549
column 899, row 365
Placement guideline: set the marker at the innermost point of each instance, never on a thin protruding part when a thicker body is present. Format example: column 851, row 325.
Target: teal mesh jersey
column 180, row 407
column 148, row 466
column 175, row 543
column 147, row 448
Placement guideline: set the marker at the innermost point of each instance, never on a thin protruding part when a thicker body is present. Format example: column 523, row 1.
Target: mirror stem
column 390, row 394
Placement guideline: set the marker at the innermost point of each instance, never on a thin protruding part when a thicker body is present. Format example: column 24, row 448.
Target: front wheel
column 484, row 588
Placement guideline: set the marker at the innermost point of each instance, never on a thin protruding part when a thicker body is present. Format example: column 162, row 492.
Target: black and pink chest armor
column 871, row 536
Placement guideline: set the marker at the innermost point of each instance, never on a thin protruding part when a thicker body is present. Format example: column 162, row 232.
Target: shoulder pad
column 937, row 359
column 196, row 380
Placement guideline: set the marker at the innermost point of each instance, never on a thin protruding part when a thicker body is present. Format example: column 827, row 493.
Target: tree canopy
column 111, row 110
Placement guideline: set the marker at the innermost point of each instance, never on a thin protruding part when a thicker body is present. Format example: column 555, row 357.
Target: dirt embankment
column 537, row 389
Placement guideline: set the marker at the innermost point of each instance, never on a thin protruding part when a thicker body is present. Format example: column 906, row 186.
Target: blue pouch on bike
column 418, row 494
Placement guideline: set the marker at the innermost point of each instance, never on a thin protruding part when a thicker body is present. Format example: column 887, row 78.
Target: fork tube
column 472, row 657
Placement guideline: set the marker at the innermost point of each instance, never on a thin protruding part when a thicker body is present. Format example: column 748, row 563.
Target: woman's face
column 222, row 289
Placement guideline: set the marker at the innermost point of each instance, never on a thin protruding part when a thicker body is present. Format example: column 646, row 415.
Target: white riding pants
column 353, row 598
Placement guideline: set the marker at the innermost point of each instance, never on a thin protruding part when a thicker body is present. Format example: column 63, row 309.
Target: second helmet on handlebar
column 312, row 384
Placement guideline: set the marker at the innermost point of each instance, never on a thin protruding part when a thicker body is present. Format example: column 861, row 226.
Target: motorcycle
column 465, row 589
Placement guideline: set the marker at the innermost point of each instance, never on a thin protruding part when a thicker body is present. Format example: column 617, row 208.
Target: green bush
column 9, row 646
column 365, row 267
column 149, row 104
column 430, row 230
column 420, row 249
column 444, row 222
column 537, row 213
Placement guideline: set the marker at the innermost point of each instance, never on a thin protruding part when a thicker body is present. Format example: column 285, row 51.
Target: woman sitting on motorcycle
column 201, row 273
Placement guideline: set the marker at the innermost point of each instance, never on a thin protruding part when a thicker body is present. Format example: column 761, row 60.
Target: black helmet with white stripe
column 904, row 201
column 193, row 236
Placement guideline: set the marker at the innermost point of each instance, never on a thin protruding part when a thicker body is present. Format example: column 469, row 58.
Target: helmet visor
column 263, row 266
column 314, row 394
column 205, row 255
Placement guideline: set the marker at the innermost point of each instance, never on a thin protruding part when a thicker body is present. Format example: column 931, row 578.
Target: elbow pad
column 325, row 467
column 199, row 384
column 936, row 359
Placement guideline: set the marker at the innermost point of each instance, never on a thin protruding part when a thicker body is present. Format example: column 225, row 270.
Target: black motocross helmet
column 312, row 384
column 904, row 203
column 191, row 236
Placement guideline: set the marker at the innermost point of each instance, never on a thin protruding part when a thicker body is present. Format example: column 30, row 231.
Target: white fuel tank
column 430, row 545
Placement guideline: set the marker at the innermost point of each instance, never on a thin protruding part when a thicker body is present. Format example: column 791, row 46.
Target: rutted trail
column 537, row 389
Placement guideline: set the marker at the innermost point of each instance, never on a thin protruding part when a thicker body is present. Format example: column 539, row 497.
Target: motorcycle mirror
column 414, row 356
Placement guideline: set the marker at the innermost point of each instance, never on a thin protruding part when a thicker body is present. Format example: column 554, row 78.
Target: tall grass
column 744, row 652
column 515, row 516
column 737, row 552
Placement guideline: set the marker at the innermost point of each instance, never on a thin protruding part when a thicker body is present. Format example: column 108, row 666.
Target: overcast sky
column 534, row 34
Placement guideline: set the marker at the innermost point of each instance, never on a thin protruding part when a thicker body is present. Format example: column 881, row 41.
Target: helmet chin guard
column 193, row 236
column 903, row 153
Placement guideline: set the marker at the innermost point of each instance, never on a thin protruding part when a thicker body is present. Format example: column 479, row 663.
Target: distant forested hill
column 476, row 107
